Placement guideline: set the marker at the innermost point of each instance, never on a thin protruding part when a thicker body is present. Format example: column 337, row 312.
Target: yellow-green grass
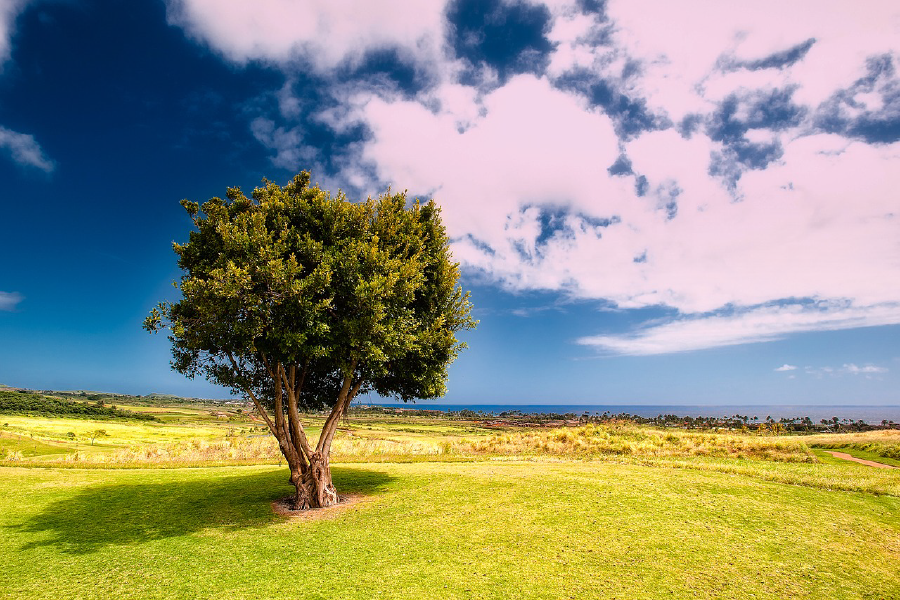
column 885, row 436
column 627, row 439
column 443, row 530
column 118, row 432
column 782, row 459
column 17, row 447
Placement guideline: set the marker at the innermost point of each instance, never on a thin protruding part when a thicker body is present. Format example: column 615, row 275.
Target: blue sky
column 685, row 203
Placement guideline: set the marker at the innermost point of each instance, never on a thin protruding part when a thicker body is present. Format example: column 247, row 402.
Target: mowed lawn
column 486, row 529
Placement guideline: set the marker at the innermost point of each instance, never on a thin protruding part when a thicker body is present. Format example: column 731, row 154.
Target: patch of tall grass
column 592, row 441
column 263, row 449
column 622, row 438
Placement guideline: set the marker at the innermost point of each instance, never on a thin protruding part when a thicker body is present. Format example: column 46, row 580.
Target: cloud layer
column 746, row 180
column 322, row 33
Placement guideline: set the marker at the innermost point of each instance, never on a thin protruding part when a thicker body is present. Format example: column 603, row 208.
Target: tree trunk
column 315, row 488
column 310, row 469
column 301, row 498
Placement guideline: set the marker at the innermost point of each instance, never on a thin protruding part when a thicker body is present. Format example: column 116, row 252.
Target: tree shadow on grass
column 133, row 513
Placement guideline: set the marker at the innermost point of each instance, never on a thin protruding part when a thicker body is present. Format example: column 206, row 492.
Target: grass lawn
column 488, row 529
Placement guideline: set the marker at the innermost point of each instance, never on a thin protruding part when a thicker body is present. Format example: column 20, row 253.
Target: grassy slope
column 472, row 530
column 118, row 432
column 10, row 442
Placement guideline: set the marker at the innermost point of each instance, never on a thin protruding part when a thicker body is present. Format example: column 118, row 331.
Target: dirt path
column 871, row 463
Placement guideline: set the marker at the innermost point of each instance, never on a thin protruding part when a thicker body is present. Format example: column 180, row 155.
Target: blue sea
column 870, row 414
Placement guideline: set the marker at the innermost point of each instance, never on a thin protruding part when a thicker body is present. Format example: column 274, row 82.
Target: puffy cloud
column 785, row 213
column 786, row 367
column 9, row 300
column 326, row 33
column 25, row 150
column 9, row 10
column 526, row 192
column 528, row 145
column 736, row 41
column 751, row 191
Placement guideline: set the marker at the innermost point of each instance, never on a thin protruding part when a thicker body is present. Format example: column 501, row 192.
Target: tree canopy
column 300, row 299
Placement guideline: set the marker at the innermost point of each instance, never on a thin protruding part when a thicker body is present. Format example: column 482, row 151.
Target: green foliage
column 294, row 276
column 14, row 403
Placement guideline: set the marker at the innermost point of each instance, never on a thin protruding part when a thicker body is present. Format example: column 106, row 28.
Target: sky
column 651, row 202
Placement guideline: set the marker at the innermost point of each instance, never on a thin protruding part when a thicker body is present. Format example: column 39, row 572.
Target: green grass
column 28, row 447
column 451, row 511
column 443, row 530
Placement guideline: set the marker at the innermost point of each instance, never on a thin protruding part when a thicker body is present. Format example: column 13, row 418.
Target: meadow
column 182, row 508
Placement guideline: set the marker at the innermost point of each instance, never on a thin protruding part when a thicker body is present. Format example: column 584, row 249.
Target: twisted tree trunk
column 317, row 489
column 310, row 467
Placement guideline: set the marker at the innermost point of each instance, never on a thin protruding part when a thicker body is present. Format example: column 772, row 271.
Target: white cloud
column 290, row 152
column 9, row 10
column 786, row 367
column 864, row 370
column 810, row 242
column 9, row 300
column 762, row 324
column 676, row 74
column 533, row 145
column 819, row 223
column 21, row 147
column 536, row 150
column 868, row 371
column 324, row 32
column 25, row 150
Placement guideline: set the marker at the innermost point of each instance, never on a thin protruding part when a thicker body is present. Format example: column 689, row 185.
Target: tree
column 301, row 300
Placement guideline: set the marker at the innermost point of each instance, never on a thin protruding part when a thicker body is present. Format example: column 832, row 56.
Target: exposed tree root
column 285, row 507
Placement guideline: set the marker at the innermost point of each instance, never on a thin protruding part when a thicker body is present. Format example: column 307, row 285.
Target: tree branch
column 340, row 406
column 256, row 402
column 299, row 433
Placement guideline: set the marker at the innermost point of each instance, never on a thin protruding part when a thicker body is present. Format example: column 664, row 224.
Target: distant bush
column 13, row 403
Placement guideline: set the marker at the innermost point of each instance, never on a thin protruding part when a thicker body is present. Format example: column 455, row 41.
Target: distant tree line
column 24, row 403
column 747, row 423
column 744, row 423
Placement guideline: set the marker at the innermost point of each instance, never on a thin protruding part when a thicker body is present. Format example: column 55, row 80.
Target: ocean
column 870, row 414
